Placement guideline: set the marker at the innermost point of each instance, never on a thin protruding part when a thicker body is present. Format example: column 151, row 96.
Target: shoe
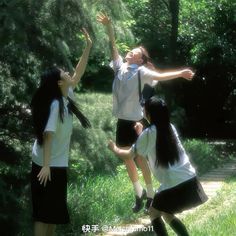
column 139, row 202
column 147, row 205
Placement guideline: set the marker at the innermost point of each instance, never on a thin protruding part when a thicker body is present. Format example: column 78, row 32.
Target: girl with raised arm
column 52, row 108
column 127, row 108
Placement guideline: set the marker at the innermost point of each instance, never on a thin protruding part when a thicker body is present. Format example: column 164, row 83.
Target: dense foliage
column 37, row 34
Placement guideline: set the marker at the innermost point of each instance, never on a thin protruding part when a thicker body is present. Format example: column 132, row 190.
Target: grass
column 107, row 200
column 218, row 216
column 100, row 192
column 102, row 200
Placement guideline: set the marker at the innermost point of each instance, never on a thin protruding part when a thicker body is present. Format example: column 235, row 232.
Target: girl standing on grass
column 127, row 108
column 179, row 187
column 52, row 107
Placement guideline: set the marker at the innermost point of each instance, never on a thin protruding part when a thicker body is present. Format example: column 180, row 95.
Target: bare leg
column 51, row 229
column 132, row 170
column 40, row 228
column 142, row 163
column 140, row 194
column 168, row 217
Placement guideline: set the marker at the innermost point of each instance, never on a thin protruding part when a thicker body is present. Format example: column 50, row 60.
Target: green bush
column 14, row 188
column 89, row 153
column 203, row 155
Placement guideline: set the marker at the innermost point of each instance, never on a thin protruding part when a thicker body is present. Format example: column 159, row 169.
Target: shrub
column 203, row 155
column 89, row 153
column 14, row 189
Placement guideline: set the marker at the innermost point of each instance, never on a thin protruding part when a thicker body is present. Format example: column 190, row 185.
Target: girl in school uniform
column 127, row 108
column 52, row 107
column 179, row 187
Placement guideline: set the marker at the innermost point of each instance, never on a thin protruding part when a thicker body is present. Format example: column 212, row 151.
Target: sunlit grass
column 217, row 217
column 100, row 192
column 101, row 200
column 107, row 200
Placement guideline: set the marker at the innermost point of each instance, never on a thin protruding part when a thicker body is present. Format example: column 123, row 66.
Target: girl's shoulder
column 150, row 130
column 55, row 104
column 71, row 93
column 145, row 69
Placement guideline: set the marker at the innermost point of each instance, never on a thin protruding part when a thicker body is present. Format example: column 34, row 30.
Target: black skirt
column 182, row 197
column 126, row 135
column 50, row 202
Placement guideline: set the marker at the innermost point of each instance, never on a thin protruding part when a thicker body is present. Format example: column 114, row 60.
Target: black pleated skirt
column 182, row 197
column 50, row 202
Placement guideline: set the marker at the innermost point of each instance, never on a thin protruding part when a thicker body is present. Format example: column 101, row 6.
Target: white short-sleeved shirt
column 177, row 173
column 61, row 135
column 126, row 91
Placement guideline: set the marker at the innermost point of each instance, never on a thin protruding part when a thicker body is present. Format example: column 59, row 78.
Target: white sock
column 150, row 192
column 138, row 189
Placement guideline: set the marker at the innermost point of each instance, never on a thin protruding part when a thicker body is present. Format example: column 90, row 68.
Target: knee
column 153, row 213
column 168, row 217
column 129, row 162
column 142, row 163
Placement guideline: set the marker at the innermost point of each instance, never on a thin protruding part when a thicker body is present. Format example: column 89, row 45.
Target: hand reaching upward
column 103, row 19
column 87, row 37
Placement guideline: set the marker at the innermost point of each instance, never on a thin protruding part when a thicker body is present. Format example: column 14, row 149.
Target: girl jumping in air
column 127, row 108
column 52, row 107
column 179, row 187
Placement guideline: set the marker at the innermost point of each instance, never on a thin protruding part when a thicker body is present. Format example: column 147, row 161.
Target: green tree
column 211, row 44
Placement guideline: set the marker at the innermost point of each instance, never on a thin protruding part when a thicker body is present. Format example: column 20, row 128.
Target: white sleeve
column 71, row 93
column 177, row 137
column 115, row 65
column 147, row 75
column 53, row 117
column 142, row 145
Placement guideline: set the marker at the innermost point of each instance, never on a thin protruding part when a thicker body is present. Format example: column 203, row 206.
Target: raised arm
column 106, row 21
column 81, row 66
column 168, row 75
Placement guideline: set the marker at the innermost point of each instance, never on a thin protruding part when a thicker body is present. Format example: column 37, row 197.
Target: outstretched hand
column 103, row 19
column 112, row 146
column 87, row 37
column 187, row 74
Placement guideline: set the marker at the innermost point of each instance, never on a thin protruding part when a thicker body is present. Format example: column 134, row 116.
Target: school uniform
column 126, row 105
column 50, row 202
column 179, row 187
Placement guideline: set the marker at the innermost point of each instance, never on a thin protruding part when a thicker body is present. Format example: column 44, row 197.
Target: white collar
column 65, row 101
column 133, row 66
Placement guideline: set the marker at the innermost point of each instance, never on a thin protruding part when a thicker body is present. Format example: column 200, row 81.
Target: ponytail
column 147, row 61
column 73, row 108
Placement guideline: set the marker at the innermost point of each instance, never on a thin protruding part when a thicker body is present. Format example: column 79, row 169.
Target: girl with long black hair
column 52, row 108
column 179, row 187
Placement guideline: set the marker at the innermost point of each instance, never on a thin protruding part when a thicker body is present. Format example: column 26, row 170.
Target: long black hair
column 40, row 105
column 167, row 151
